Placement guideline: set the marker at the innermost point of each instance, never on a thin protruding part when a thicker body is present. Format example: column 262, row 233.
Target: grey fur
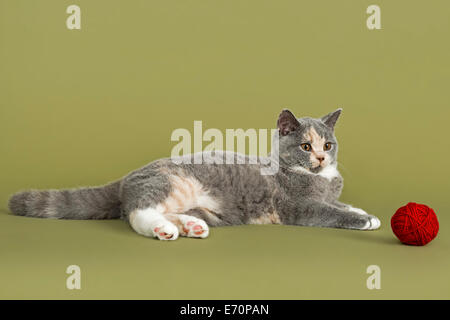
column 297, row 197
column 84, row 203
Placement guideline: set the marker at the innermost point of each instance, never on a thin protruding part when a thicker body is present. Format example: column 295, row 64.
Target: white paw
column 165, row 230
column 358, row 211
column 373, row 224
column 194, row 227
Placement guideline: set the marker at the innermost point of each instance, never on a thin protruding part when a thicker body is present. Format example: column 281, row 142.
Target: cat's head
column 306, row 142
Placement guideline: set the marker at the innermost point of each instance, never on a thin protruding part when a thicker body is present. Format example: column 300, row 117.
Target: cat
column 166, row 200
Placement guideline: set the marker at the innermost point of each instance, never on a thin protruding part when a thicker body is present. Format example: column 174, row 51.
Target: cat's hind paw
column 195, row 228
column 166, row 231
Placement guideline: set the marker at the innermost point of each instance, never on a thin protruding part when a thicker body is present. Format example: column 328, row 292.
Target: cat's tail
column 80, row 204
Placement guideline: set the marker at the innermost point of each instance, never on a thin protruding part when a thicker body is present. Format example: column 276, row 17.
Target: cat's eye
column 306, row 146
column 327, row 146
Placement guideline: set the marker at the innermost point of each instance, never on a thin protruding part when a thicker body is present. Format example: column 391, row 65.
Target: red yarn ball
column 415, row 224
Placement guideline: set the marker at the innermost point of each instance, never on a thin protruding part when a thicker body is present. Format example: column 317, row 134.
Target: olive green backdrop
column 83, row 107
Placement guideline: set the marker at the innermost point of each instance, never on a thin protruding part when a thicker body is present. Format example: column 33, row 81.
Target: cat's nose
column 320, row 158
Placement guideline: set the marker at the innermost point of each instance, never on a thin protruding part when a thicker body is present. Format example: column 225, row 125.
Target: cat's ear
column 331, row 118
column 287, row 122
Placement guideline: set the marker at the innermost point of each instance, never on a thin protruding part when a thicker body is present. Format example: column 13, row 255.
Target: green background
column 83, row 107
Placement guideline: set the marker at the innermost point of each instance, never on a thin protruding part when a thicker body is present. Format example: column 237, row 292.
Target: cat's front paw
column 166, row 231
column 357, row 210
column 373, row 223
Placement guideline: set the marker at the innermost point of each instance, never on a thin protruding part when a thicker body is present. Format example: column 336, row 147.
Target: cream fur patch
column 187, row 193
column 317, row 142
column 267, row 218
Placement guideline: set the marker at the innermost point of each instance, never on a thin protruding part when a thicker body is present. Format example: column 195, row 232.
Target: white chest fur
column 328, row 172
